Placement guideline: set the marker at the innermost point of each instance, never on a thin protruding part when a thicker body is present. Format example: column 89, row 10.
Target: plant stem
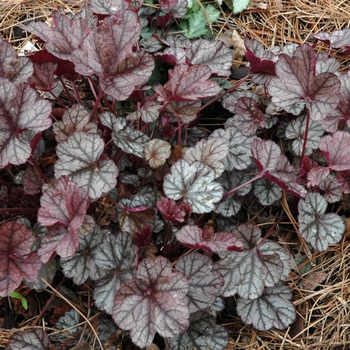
column 305, row 137
column 242, row 185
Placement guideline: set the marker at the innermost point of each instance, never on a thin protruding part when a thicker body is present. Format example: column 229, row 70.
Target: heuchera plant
column 107, row 174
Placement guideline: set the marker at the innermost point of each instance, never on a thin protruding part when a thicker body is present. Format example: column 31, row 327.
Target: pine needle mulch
column 320, row 281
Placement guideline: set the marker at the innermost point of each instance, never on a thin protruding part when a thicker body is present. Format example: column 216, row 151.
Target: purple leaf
column 117, row 256
column 297, row 82
column 75, row 119
column 82, row 264
column 272, row 309
column 63, row 204
column 273, row 165
column 192, row 236
column 194, row 183
column 32, row 181
column 43, row 77
column 203, row 333
column 336, row 149
column 188, row 83
column 296, row 130
column 204, row 283
column 210, row 152
column 124, row 135
column 248, row 272
column 64, row 36
column 29, row 339
column 317, row 228
column 16, row 69
column 212, row 53
column 336, row 39
column 152, row 302
column 80, row 158
column 17, row 262
column 107, row 52
column 21, row 109
column 173, row 212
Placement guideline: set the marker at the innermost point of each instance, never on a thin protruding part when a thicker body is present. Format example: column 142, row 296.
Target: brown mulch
column 321, row 283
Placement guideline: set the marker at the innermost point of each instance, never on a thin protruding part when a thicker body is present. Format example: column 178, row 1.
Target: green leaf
column 24, row 303
column 15, row 295
column 213, row 13
column 239, row 5
column 196, row 25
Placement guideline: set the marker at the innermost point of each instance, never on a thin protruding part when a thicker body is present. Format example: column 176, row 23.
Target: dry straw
column 321, row 283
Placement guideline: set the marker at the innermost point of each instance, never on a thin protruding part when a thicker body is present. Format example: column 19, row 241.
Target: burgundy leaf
column 204, row 283
column 212, row 53
column 152, row 302
column 107, row 52
column 43, row 76
column 194, row 237
column 188, row 83
column 64, row 36
column 15, row 69
column 336, row 39
column 343, row 178
column 166, row 4
column 32, row 181
column 21, row 109
column 62, row 204
column 296, row 83
column 76, row 118
column 29, row 339
column 17, row 262
column 186, row 110
column 170, row 210
column 336, row 149
column 273, row 165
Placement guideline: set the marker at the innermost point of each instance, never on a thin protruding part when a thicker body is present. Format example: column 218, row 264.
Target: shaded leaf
column 296, row 81
column 267, row 191
column 17, row 262
column 272, row 309
column 333, row 190
column 16, row 69
column 125, row 136
column 186, row 110
column 194, row 237
column 21, row 110
column 204, row 283
column 154, row 301
column 80, row 158
column 318, row 228
column 32, row 181
column 29, row 339
column 76, row 118
column 117, row 256
column 43, row 77
column 194, row 184
column 203, row 333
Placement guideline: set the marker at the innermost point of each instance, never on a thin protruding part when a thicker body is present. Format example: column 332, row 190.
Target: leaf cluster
column 117, row 187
